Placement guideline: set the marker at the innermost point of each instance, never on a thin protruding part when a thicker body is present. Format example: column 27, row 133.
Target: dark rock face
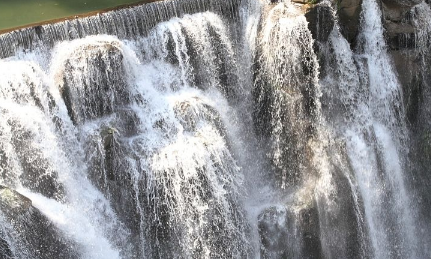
column 94, row 81
column 5, row 250
column 38, row 177
column 406, row 49
column 278, row 238
column 400, row 32
column 93, row 84
column 274, row 234
column 320, row 21
column 290, row 233
column 309, row 218
column 148, row 203
column 349, row 12
column 402, row 3
column 106, row 152
column 41, row 239
column 343, row 231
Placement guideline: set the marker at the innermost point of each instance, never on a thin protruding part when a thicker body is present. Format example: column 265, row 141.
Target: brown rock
column 349, row 12
column 320, row 21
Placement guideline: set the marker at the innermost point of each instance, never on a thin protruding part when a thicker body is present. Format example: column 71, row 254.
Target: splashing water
column 205, row 129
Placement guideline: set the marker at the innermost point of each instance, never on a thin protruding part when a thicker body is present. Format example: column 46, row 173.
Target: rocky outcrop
column 110, row 171
column 401, row 3
column 92, row 81
column 320, row 19
column 290, row 232
column 319, row 16
column 191, row 112
column 38, row 177
column 12, row 203
column 5, row 249
column 400, row 32
column 349, row 12
column 285, row 92
column 41, row 239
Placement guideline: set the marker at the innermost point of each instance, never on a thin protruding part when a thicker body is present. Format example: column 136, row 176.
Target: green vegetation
column 15, row 13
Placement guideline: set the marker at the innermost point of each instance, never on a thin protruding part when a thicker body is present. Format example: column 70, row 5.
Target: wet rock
column 37, row 173
column 12, row 203
column 28, row 225
column 290, row 154
column 192, row 111
column 406, row 50
column 408, row 67
column 185, row 176
column 401, row 3
column 289, row 233
column 275, row 235
column 309, row 220
column 93, row 81
column 397, row 41
column 112, row 153
column 413, row 66
column 216, row 68
column 349, row 12
column 400, row 32
column 284, row 93
column 5, row 249
column 128, row 122
column 342, row 229
column 320, row 21
column 107, row 157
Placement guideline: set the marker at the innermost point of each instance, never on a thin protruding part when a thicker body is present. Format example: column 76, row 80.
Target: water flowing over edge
column 174, row 135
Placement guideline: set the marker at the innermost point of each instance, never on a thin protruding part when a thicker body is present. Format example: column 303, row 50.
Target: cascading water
column 210, row 129
column 286, row 98
column 379, row 164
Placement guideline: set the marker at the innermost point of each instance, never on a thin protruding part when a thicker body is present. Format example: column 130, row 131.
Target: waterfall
column 215, row 129
column 388, row 128
column 125, row 23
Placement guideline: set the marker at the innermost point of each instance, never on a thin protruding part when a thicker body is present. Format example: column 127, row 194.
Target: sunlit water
column 213, row 135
